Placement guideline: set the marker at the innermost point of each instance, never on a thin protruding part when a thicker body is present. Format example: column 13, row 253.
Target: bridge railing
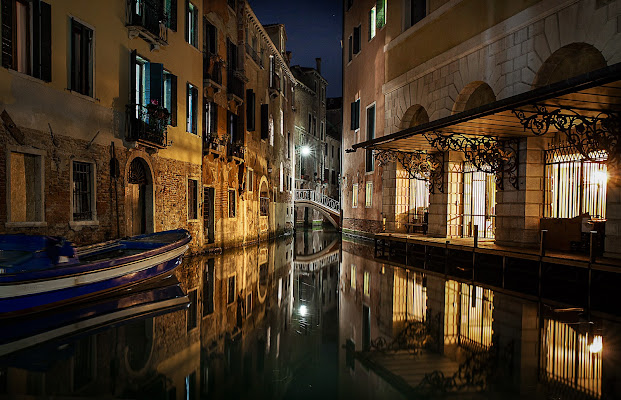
column 315, row 265
column 311, row 195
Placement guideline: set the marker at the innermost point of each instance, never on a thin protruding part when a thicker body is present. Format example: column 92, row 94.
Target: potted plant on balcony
column 157, row 121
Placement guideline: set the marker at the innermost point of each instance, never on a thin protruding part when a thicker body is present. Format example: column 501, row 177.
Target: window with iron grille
column 192, row 199
column 232, row 203
column 82, row 191
column 574, row 186
column 479, row 200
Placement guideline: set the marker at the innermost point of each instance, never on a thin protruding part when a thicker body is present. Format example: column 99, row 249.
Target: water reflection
column 312, row 316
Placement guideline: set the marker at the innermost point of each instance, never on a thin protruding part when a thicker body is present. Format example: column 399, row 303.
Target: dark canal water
column 314, row 316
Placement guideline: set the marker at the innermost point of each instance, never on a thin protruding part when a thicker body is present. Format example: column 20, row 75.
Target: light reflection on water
column 311, row 317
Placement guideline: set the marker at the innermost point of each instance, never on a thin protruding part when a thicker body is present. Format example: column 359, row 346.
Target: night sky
column 313, row 30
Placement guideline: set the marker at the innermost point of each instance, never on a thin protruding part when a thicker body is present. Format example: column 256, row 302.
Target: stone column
column 518, row 211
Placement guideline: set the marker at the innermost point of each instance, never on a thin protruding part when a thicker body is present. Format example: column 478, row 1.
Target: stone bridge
column 327, row 206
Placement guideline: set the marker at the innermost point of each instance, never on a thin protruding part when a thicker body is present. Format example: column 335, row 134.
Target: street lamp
column 305, row 151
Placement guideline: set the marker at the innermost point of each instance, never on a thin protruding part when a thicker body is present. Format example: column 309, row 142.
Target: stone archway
column 571, row 60
column 473, row 95
column 140, row 197
column 415, row 115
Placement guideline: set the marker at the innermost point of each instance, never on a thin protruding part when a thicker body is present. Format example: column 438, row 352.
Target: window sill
column 76, row 225
column 26, row 76
column 83, row 96
column 26, row 224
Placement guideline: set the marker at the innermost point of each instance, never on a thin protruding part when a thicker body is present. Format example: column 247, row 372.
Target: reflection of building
column 463, row 116
column 558, row 353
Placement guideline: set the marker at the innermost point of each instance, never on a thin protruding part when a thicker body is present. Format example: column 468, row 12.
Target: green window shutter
column 45, row 45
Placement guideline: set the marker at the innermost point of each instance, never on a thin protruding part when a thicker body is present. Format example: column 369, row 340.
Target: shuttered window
column 81, row 58
column 250, row 110
column 27, row 37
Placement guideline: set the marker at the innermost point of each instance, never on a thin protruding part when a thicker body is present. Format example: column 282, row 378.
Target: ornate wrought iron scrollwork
column 589, row 135
column 484, row 153
column 419, row 165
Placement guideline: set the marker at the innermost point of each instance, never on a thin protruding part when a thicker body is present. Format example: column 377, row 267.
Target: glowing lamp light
column 599, row 176
column 597, row 345
column 305, row 151
column 303, row 311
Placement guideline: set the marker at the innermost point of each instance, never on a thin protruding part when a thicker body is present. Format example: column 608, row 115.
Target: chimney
column 288, row 57
column 318, row 61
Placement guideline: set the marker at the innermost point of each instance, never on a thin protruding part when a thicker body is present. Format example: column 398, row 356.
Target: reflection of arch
column 139, row 195
column 473, row 95
column 415, row 115
column 571, row 60
column 139, row 347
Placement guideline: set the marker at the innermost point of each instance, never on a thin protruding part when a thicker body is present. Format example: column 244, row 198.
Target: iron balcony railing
column 147, row 124
column 213, row 142
column 322, row 199
column 235, row 85
column 150, row 17
column 237, row 150
column 212, row 69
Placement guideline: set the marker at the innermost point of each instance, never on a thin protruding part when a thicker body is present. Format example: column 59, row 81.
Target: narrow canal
column 313, row 316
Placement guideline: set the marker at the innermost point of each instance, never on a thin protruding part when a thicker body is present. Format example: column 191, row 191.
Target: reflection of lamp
column 303, row 310
column 597, row 345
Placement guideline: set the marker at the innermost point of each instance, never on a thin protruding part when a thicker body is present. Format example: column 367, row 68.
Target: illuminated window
column 366, row 283
column 353, row 276
column 372, row 23
column 479, row 200
column 381, row 14
column 354, row 196
column 411, row 197
column 191, row 30
column 574, row 186
column 368, row 196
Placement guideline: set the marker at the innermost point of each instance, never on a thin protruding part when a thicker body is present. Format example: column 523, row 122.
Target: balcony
column 235, row 87
column 147, row 125
column 212, row 71
column 274, row 84
column 254, row 55
column 214, row 144
column 236, row 152
column 147, row 19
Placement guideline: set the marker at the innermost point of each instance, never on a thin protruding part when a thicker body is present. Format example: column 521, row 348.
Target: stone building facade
column 334, row 130
column 105, row 127
column 505, row 50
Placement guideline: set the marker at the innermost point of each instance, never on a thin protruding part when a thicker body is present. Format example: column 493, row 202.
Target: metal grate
column 479, row 202
column 573, row 185
column 82, row 191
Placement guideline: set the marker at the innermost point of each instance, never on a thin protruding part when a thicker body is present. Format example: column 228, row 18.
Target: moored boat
column 39, row 272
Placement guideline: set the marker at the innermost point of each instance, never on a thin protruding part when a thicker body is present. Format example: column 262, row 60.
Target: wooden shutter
column 46, row 42
column 132, row 76
column 6, row 12
column 357, row 40
column 352, row 124
column 264, row 121
column 250, row 110
column 172, row 15
column 187, row 21
column 173, row 100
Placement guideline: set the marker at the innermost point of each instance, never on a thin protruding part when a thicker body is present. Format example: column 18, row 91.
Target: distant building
column 185, row 124
column 334, row 128
column 312, row 152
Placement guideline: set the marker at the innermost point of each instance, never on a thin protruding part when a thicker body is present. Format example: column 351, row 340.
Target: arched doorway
column 140, row 196
column 478, row 194
column 264, row 203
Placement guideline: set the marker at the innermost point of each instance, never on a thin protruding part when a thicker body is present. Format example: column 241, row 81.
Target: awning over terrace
column 592, row 97
column 586, row 109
